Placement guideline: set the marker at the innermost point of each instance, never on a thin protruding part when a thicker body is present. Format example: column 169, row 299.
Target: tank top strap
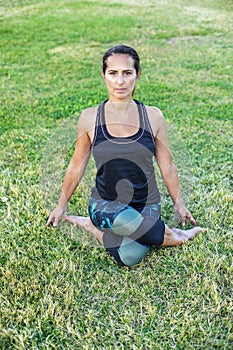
column 141, row 115
column 145, row 118
column 100, row 113
column 98, row 121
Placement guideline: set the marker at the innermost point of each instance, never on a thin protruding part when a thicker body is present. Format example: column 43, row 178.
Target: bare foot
column 174, row 237
column 188, row 234
column 81, row 221
column 86, row 224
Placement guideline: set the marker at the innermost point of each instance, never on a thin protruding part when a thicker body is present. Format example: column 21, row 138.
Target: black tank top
column 125, row 170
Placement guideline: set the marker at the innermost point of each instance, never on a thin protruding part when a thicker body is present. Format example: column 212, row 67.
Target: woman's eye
column 128, row 73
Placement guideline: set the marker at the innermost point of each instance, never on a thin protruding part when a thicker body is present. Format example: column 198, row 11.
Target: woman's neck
column 119, row 106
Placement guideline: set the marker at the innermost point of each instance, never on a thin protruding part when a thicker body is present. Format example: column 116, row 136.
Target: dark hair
column 124, row 50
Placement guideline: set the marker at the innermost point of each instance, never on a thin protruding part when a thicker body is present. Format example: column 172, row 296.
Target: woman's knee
column 132, row 252
column 125, row 251
column 127, row 222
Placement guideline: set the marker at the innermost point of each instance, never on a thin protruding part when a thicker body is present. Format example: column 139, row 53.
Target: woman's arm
column 74, row 172
column 169, row 171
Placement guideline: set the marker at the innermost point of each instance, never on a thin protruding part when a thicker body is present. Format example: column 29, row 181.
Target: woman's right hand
column 56, row 216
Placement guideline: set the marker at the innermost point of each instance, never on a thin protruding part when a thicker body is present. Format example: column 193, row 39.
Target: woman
column 124, row 135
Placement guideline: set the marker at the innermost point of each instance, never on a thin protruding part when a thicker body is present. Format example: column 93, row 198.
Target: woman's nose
column 120, row 79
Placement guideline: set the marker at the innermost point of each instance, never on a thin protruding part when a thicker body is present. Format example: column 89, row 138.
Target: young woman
column 124, row 135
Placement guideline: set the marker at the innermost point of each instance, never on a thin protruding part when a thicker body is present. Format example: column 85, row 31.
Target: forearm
column 73, row 176
column 71, row 181
column 170, row 175
column 171, row 180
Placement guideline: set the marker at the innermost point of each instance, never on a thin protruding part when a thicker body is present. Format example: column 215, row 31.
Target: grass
column 59, row 289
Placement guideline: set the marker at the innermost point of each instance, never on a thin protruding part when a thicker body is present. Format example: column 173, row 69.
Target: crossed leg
column 86, row 224
column 172, row 237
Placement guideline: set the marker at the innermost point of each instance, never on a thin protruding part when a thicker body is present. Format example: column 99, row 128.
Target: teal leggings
column 129, row 233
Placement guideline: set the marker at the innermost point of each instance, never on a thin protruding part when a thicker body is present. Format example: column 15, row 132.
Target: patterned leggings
column 129, row 233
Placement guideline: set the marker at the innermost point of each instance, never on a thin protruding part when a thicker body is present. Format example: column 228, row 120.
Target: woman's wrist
column 63, row 202
column 178, row 202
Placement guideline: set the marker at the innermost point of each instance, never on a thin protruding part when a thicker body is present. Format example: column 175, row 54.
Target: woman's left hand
column 184, row 214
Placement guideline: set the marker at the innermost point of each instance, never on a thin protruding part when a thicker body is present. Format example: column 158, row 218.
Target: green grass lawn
column 58, row 288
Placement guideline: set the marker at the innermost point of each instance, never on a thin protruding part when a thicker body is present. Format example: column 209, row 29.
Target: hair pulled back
column 124, row 50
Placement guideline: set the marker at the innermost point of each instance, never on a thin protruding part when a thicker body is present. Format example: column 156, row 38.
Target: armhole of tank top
column 97, row 123
column 147, row 121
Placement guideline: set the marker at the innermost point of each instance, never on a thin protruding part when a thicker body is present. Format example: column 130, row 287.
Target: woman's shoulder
column 88, row 117
column 89, row 112
column 155, row 112
column 155, row 115
column 156, row 119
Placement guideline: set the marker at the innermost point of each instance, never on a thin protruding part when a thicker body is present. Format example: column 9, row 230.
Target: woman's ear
column 103, row 75
column 139, row 74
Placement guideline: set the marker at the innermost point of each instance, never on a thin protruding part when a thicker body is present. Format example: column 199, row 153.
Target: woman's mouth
column 120, row 90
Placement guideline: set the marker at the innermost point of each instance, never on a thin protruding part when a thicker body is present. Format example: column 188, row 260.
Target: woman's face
column 120, row 77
